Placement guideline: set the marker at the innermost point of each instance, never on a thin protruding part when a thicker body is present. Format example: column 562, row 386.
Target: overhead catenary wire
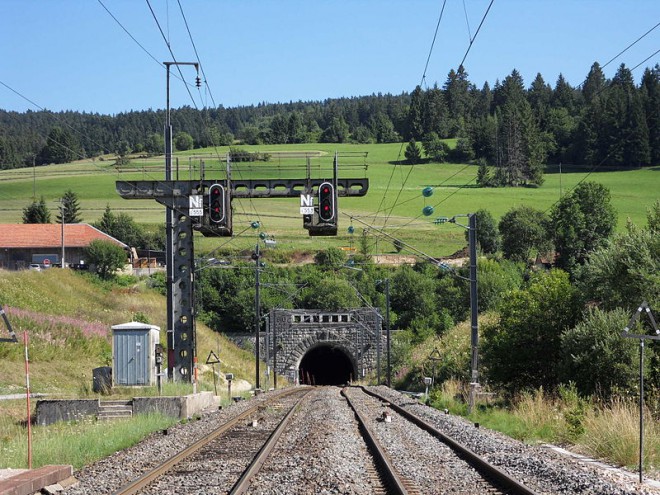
column 398, row 159
column 630, row 46
column 467, row 21
column 208, row 88
column 192, row 41
column 476, row 33
column 645, row 60
column 435, row 34
column 472, row 39
column 169, row 47
column 76, row 152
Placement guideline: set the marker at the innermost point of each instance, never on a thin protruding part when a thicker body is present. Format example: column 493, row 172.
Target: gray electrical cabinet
column 133, row 354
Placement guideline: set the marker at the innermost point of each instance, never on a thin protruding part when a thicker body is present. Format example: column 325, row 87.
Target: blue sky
column 72, row 55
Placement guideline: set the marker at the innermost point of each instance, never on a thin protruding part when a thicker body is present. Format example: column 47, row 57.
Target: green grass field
column 393, row 204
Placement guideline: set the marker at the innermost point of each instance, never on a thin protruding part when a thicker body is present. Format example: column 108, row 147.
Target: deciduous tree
column 107, row 257
column 523, row 350
column 582, row 221
column 524, row 234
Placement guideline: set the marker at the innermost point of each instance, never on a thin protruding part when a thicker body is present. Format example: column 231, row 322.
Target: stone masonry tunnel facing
column 333, row 347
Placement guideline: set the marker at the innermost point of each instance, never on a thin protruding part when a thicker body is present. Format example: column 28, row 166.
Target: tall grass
column 604, row 431
column 613, row 433
column 75, row 443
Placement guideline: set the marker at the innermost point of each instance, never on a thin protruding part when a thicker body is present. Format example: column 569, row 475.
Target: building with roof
column 22, row 245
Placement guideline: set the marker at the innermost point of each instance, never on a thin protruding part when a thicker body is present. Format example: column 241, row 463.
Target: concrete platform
column 29, row 481
column 53, row 410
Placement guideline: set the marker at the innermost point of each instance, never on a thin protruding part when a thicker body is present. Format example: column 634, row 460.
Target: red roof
column 48, row 235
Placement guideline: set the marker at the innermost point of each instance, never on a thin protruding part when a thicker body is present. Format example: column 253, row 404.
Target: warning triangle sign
column 643, row 308
column 435, row 355
column 213, row 358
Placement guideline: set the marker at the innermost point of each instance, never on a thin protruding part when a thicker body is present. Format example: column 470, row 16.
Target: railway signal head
column 217, row 203
column 327, row 202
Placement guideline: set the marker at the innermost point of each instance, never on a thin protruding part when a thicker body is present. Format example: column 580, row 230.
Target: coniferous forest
column 515, row 126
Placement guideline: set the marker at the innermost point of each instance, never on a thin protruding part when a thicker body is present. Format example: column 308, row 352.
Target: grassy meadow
column 392, row 207
column 67, row 317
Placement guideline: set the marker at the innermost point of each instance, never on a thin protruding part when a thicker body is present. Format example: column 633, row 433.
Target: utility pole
column 474, row 301
column 63, row 263
column 387, row 329
column 257, row 313
column 474, row 308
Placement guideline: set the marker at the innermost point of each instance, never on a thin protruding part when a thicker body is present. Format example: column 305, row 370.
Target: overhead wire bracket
column 12, row 335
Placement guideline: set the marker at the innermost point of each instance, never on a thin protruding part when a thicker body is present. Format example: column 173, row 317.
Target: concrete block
column 51, row 411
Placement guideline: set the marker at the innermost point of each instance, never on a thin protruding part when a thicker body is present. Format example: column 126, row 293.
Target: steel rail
column 141, row 482
column 486, row 469
column 243, row 483
column 395, row 484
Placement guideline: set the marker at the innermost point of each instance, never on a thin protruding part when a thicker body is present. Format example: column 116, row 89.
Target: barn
column 45, row 244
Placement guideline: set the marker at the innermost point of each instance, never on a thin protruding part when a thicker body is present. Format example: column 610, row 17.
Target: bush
column 595, row 356
column 106, row 257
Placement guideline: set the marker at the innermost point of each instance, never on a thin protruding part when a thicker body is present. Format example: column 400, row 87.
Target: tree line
column 511, row 127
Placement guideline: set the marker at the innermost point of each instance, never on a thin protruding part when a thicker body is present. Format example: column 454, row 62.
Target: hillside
column 392, row 207
column 67, row 317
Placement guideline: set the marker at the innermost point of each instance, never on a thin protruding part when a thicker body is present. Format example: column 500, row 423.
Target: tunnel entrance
column 326, row 365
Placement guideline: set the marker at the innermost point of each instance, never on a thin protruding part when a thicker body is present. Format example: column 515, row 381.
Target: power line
column 630, row 46
column 645, row 60
column 201, row 67
column 169, row 47
column 433, row 42
column 476, row 33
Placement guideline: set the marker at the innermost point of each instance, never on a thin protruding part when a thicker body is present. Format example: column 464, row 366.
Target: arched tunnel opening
column 326, row 365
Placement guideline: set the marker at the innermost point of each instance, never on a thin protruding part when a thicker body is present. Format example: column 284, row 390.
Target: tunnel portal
column 326, row 365
column 324, row 347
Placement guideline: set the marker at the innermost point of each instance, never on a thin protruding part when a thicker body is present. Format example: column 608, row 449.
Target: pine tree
column 69, row 208
column 413, row 153
column 415, row 124
column 36, row 212
column 594, row 84
column 564, row 96
column 539, row 97
column 650, row 94
column 519, row 143
column 61, row 147
column 435, row 117
column 457, row 95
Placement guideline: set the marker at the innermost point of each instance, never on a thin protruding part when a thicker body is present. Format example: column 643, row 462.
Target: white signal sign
column 196, row 205
column 306, row 204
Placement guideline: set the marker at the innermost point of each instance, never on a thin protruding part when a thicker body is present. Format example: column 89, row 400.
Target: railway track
column 223, row 452
column 306, row 440
column 489, row 479
column 249, row 454
column 240, row 448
